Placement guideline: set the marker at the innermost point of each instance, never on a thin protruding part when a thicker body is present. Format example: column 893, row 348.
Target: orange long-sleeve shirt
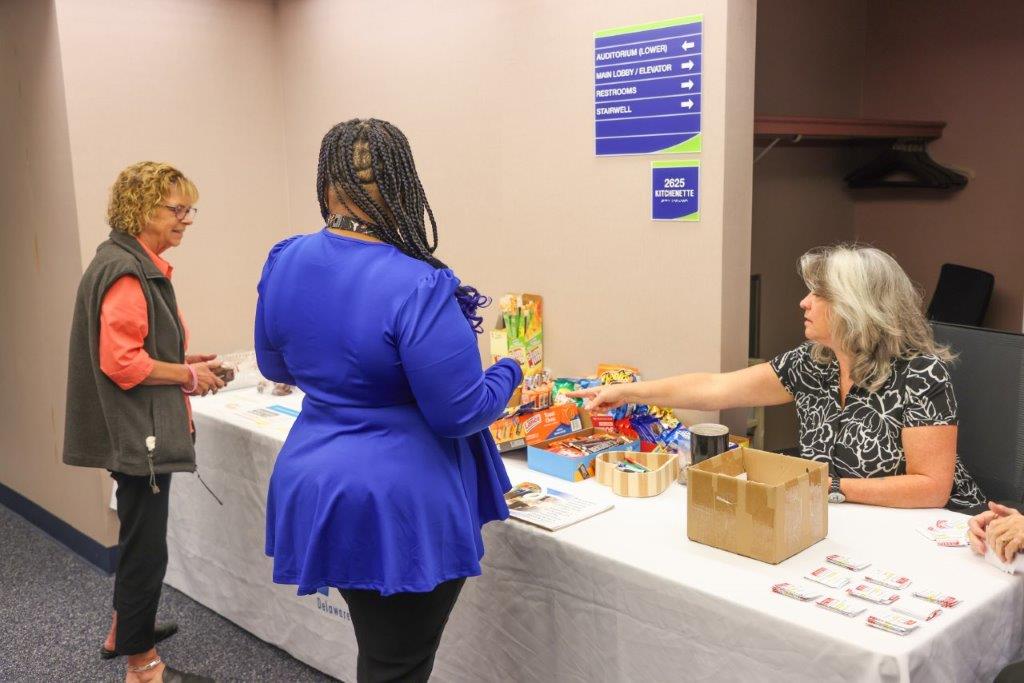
column 124, row 324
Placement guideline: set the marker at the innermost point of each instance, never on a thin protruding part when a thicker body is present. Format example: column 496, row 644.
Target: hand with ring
column 1005, row 535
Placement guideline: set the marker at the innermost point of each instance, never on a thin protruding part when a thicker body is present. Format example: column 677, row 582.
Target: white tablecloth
column 623, row 596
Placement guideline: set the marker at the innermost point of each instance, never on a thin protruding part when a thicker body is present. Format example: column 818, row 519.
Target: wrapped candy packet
column 844, row 607
column 802, row 593
column 874, row 594
column 887, row 579
column 893, row 623
column 585, row 445
column 562, row 386
column 848, row 562
column 939, row 598
column 828, row 577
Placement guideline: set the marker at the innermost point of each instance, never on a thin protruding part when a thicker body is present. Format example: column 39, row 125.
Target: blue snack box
column 570, row 468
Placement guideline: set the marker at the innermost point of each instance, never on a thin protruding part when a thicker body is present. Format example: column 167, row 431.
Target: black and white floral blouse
column 864, row 437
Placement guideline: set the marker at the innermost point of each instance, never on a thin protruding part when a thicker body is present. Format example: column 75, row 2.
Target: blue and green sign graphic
column 647, row 87
column 675, row 187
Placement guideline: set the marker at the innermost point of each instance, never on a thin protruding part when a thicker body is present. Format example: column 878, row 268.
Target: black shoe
column 161, row 632
column 174, row 676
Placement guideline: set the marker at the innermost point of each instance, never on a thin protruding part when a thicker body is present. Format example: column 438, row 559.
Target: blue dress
column 389, row 472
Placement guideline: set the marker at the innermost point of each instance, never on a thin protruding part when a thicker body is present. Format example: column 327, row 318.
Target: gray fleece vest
column 107, row 426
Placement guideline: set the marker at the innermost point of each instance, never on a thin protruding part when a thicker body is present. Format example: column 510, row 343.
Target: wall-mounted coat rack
column 905, row 162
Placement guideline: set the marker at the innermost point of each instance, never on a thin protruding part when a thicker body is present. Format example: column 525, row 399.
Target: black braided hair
column 356, row 155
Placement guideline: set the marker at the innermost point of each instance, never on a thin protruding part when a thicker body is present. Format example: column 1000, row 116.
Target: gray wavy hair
column 876, row 311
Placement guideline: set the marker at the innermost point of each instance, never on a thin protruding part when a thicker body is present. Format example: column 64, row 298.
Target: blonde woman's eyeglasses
column 182, row 212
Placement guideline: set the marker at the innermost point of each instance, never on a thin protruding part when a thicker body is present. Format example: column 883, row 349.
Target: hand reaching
column 603, row 399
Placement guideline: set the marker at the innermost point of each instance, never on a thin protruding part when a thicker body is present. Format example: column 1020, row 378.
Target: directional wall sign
column 647, row 86
column 675, row 190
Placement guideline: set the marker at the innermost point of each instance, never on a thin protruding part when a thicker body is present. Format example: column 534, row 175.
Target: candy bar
column 874, row 594
column 848, row 562
column 947, row 601
column 887, row 579
column 804, row 593
column 844, row 607
column 893, row 622
column 828, row 577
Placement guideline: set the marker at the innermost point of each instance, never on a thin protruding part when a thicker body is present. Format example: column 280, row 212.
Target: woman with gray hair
column 872, row 389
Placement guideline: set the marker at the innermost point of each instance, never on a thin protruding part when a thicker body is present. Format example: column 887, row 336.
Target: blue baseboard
column 103, row 557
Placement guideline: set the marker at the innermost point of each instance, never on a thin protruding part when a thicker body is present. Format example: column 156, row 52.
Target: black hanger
column 906, row 164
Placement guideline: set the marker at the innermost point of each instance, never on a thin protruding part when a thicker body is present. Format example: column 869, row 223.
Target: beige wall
column 39, row 270
column 737, row 195
column 102, row 85
column 193, row 83
column 495, row 98
column 961, row 64
column 809, row 63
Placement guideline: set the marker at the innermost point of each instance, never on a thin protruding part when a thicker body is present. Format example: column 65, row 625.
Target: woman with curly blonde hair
column 129, row 380
column 872, row 388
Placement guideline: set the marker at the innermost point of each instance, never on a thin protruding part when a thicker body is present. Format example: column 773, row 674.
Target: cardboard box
column 777, row 510
column 570, row 468
column 519, row 332
column 531, row 428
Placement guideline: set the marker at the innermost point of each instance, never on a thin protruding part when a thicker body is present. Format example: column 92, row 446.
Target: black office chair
column 988, row 379
column 961, row 296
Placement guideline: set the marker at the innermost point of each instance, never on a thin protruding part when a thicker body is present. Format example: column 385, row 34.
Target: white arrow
column 688, row 45
column 688, row 64
column 686, row 85
column 686, row 104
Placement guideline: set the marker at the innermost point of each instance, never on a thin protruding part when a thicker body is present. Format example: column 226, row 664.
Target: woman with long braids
column 389, row 472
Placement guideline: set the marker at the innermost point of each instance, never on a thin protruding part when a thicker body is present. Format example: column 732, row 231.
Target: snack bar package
column 887, row 579
column 845, row 607
column 875, row 594
column 802, row 593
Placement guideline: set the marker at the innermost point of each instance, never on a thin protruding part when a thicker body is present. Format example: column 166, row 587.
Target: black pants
column 398, row 635
column 142, row 559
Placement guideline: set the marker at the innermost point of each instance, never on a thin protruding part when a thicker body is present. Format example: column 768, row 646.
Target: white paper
column 1015, row 567
column 549, row 508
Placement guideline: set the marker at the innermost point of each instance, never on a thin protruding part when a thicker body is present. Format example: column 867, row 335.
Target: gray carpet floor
column 55, row 612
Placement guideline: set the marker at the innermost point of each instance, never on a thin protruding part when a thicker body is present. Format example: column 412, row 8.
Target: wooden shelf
column 789, row 130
